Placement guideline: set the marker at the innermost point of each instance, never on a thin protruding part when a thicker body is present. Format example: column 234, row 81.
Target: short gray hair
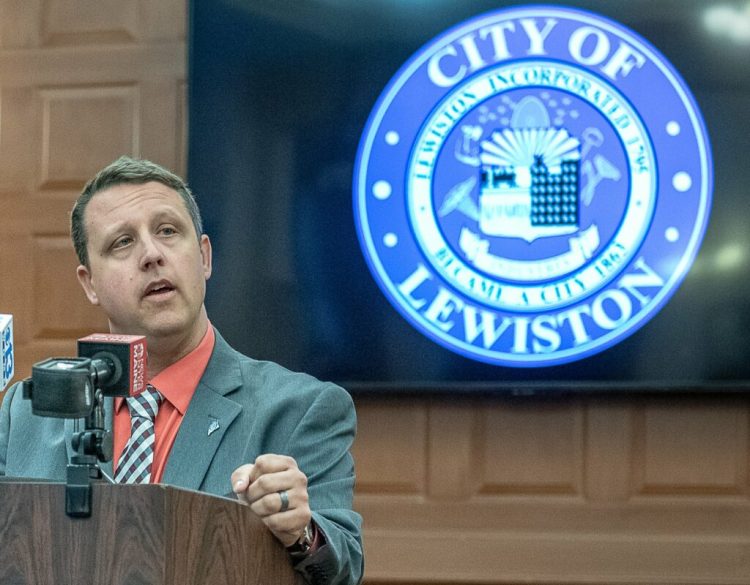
column 127, row 170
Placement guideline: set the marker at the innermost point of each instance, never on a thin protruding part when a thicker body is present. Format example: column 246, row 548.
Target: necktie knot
column 146, row 404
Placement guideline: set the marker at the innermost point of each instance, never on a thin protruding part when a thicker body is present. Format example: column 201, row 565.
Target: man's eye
column 121, row 242
column 167, row 230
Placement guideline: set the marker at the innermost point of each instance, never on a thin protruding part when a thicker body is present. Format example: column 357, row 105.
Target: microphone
column 126, row 352
column 7, row 365
column 115, row 365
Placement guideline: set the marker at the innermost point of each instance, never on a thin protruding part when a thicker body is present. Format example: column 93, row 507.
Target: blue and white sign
column 7, row 365
column 532, row 186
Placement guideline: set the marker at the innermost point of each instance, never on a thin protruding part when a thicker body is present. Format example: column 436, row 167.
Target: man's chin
column 156, row 328
column 163, row 328
column 173, row 328
column 167, row 329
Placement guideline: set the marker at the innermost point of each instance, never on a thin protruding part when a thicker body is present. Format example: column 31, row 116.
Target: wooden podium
column 136, row 535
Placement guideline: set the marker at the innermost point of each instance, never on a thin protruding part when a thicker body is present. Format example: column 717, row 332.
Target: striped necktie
column 134, row 465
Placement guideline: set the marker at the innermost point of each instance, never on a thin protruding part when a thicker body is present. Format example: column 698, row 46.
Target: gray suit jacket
column 260, row 408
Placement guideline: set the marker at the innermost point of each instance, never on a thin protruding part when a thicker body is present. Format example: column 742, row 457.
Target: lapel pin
column 214, row 426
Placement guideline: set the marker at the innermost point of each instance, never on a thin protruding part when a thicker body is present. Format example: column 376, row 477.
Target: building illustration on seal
column 529, row 185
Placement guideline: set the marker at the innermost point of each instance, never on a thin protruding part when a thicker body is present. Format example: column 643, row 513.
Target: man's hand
column 258, row 485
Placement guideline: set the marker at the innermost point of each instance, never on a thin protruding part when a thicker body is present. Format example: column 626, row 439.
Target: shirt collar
column 177, row 382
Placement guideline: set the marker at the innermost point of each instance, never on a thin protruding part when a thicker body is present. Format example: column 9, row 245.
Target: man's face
column 147, row 269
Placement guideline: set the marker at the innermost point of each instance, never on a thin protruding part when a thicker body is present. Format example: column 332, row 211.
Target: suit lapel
column 207, row 419
column 109, row 413
column 69, row 430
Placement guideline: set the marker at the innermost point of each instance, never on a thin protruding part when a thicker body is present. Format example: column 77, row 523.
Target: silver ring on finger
column 284, row 495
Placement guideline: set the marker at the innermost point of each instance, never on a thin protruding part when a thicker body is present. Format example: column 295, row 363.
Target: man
column 224, row 422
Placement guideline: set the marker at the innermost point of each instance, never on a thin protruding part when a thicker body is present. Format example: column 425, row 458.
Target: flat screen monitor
column 280, row 94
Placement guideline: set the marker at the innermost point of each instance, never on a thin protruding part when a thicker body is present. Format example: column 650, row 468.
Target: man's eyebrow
column 169, row 213
column 110, row 230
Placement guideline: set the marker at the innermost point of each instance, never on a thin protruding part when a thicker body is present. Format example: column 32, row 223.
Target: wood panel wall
column 578, row 489
column 573, row 490
column 81, row 82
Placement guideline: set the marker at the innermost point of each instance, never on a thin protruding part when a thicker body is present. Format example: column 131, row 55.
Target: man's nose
column 151, row 254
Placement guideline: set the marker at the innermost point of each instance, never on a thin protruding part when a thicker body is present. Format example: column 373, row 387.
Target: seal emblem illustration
column 532, row 186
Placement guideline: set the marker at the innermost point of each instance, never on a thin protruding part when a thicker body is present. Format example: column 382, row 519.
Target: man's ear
column 205, row 245
column 84, row 277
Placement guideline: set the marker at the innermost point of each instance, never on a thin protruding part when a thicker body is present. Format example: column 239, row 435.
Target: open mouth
column 158, row 289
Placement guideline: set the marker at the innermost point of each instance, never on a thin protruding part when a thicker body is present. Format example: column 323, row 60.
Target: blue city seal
column 532, row 186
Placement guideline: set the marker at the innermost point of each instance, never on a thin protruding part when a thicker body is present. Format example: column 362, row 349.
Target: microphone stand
column 92, row 445
column 74, row 389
